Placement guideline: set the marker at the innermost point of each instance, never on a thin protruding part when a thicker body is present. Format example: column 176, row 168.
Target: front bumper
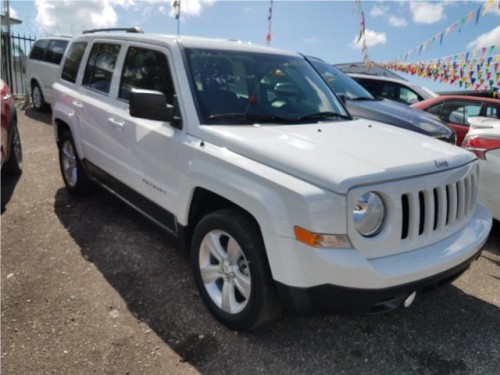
column 344, row 280
column 331, row 298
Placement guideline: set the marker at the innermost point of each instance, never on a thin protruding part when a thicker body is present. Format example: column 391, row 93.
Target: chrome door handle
column 116, row 123
column 78, row 105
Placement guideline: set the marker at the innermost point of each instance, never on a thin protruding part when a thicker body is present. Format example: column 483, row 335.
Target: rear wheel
column 75, row 178
column 14, row 165
column 37, row 98
column 231, row 270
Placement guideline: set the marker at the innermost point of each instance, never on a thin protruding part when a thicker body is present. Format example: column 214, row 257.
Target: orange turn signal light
column 321, row 240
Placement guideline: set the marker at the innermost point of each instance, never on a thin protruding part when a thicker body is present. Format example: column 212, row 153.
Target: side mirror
column 342, row 98
column 150, row 105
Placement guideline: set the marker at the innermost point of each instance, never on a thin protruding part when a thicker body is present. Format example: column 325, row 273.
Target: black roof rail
column 126, row 29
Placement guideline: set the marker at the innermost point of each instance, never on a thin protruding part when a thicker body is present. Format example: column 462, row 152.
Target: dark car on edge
column 360, row 103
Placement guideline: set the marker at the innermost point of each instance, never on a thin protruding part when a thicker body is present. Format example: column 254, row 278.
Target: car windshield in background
column 340, row 82
column 235, row 87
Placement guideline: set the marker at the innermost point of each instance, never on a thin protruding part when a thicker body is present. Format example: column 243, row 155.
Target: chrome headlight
column 368, row 214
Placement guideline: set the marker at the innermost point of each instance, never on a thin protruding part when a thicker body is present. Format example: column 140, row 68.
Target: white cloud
column 53, row 15
column 378, row 11
column 372, row 39
column 66, row 16
column 397, row 21
column 425, row 12
column 486, row 40
column 13, row 13
column 190, row 7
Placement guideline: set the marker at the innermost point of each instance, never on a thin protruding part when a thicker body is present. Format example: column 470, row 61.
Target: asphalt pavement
column 88, row 286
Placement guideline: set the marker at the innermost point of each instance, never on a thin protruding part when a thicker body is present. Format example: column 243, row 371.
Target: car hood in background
column 401, row 115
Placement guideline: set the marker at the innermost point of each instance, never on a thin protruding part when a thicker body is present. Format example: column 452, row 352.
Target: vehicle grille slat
column 431, row 210
column 442, row 208
column 461, row 199
column 414, row 216
column 452, row 203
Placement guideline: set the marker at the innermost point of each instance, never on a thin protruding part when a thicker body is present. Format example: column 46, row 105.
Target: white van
column 42, row 69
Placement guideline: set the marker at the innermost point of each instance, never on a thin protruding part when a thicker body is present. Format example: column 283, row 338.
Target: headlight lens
column 368, row 214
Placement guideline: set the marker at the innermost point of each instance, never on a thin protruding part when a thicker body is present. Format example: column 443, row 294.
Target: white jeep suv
column 246, row 154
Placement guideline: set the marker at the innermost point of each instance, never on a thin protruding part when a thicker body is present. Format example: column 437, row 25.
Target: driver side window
column 146, row 69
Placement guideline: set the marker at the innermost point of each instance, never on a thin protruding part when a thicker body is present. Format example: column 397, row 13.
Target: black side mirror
column 342, row 98
column 151, row 105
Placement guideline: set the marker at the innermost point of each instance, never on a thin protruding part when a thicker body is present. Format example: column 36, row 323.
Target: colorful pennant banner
column 459, row 25
column 472, row 70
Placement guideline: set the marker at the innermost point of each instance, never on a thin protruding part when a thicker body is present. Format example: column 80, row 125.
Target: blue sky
column 326, row 29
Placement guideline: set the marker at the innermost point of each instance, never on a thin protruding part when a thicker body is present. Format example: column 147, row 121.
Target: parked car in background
column 483, row 139
column 456, row 110
column 11, row 150
column 362, row 68
column 42, row 69
column 395, row 89
column 360, row 103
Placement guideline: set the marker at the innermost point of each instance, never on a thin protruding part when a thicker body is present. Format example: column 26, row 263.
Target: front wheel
column 75, row 178
column 231, row 270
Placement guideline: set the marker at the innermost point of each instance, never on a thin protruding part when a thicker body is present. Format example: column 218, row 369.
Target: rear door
column 100, row 135
column 145, row 150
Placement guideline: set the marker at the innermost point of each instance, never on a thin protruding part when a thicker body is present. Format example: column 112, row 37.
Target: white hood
column 339, row 155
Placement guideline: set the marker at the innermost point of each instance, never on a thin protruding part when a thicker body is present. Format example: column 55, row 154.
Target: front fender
column 278, row 201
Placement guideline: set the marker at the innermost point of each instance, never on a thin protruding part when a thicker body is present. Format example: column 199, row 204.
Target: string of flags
column 473, row 70
column 269, row 23
column 459, row 25
column 362, row 32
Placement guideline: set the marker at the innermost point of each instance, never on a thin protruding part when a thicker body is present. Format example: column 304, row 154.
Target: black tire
column 14, row 164
column 249, row 263
column 74, row 176
column 37, row 98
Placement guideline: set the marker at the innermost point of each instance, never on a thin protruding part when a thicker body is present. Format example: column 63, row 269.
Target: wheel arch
column 205, row 201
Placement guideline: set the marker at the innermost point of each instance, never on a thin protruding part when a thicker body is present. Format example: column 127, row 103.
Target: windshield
column 340, row 82
column 239, row 87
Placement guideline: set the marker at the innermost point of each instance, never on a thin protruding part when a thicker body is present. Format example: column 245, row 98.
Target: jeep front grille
column 429, row 210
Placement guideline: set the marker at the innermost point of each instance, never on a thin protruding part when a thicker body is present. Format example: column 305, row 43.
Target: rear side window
column 38, row 50
column 459, row 112
column 100, row 66
column 492, row 111
column 55, row 51
column 73, row 60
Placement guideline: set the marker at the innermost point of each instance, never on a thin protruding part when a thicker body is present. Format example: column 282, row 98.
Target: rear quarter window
column 73, row 61
column 55, row 51
column 38, row 50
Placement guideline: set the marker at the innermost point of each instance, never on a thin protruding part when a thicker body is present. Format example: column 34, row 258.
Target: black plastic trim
column 148, row 208
column 328, row 298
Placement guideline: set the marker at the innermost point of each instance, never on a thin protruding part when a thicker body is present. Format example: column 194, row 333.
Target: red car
column 12, row 155
column 455, row 110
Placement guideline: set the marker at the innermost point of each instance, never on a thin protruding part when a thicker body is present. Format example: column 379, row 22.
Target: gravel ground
column 89, row 286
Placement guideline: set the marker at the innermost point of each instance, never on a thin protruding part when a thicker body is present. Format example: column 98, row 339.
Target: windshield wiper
column 250, row 118
column 324, row 115
column 360, row 98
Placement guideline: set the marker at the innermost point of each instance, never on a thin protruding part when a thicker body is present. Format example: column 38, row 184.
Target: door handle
column 117, row 124
column 77, row 104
